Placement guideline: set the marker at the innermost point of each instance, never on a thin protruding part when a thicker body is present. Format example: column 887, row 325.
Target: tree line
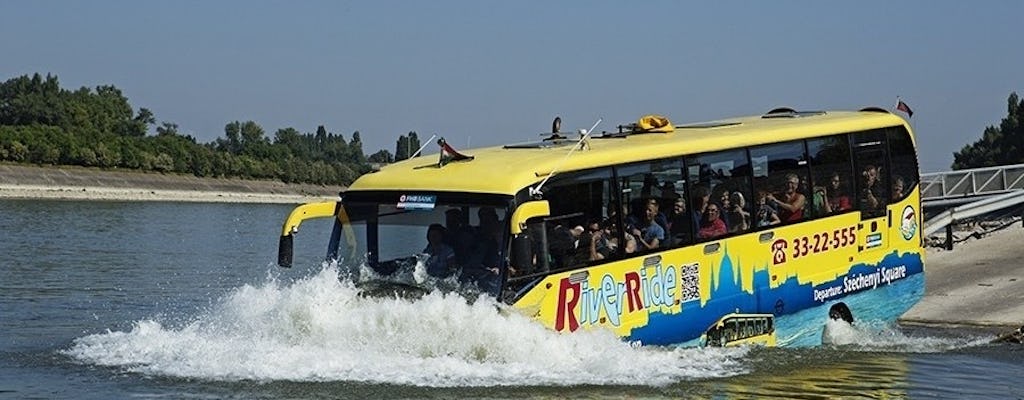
column 42, row 123
column 999, row 145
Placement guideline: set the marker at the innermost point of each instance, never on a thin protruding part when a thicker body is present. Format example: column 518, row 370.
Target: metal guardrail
column 947, row 218
column 951, row 185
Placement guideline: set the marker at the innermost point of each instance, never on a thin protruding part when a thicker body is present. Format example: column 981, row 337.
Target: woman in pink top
column 711, row 224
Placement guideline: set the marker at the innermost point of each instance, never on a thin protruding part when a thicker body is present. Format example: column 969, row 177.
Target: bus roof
column 502, row 170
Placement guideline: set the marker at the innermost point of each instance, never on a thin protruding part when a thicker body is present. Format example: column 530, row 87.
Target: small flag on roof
column 449, row 154
column 900, row 105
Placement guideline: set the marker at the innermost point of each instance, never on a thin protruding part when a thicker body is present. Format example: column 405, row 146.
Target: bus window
column 904, row 163
column 578, row 230
column 780, row 173
column 869, row 154
column 650, row 193
column 719, row 190
column 832, row 175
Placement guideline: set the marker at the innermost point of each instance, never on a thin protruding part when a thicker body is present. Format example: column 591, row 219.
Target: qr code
column 691, row 281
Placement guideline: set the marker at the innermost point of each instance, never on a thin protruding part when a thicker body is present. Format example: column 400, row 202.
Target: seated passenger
column 766, row 215
column 562, row 244
column 668, row 196
column 631, row 245
column 441, row 256
column 649, row 234
column 838, row 201
column 724, row 204
column 897, row 188
column 819, row 201
column 458, row 235
column 739, row 217
column 700, row 200
column 680, row 223
column 598, row 245
column 871, row 198
column 790, row 202
column 711, row 225
column 484, row 265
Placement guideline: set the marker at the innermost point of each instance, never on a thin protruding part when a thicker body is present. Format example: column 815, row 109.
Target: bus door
column 872, row 189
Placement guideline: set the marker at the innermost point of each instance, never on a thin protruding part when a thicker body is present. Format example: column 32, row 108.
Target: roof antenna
column 584, row 134
column 425, row 144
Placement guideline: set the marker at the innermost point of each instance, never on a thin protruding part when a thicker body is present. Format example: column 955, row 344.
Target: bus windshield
column 423, row 239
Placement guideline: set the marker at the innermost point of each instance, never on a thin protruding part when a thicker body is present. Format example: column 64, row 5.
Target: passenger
column 870, row 197
column 659, row 218
column 897, row 188
column 484, row 265
column 631, row 245
column 724, row 204
column 459, row 235
column 791, row 204
column 766, row 215
column 838, row 201
column 668, row 196
column 680, row 223
column 711, row 225
column 599, row 246
column 637, row 204
column 563, row 242
column 637, row 219
column 649, row 234
column 699, row 201
column 441, row 256
column 819, row 201
column 738, row 215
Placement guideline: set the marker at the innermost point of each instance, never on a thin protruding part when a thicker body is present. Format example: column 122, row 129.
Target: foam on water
column 321, row 329
column 877, row 336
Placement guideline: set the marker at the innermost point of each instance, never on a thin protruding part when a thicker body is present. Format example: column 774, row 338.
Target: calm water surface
column 116, row 300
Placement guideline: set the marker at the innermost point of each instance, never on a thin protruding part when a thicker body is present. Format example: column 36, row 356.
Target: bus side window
column 580, row 203
column 832, row 175
column 904, row 166
column 782, row 169
column 869, row 155
column 650, row 191
column 720, row 193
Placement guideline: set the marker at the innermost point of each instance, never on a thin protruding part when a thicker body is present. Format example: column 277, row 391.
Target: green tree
column 233, row 133
column 381, row 157
column 355, row 149
column 1000, row 145
column 167, row 129
column 402, row 148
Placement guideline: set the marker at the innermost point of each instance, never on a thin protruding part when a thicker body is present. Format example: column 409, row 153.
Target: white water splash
column 321, row 329
column 874, row 336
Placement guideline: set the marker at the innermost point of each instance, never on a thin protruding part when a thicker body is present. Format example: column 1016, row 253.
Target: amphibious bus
column 652, row 230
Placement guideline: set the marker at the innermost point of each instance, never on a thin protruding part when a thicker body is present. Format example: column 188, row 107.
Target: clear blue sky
column 484, row 73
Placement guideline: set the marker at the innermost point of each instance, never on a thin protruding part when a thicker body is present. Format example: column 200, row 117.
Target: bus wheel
column 841, row 311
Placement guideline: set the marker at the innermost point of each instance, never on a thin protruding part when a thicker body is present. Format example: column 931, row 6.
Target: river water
column 176, row 300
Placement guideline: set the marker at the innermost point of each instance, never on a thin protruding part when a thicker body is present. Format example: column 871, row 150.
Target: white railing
column 938, row 186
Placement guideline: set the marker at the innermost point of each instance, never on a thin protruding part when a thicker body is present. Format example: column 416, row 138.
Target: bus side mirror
column 284, row 251
column 291, row 227
column 527, row 210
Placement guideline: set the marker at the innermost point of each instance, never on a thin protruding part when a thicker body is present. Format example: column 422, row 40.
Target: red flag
column 905, row 108
column 449, row 154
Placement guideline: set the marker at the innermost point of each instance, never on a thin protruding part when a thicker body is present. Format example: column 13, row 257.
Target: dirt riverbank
column 77, row 183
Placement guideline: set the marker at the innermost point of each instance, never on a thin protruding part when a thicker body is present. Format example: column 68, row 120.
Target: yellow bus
column 652, row 230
